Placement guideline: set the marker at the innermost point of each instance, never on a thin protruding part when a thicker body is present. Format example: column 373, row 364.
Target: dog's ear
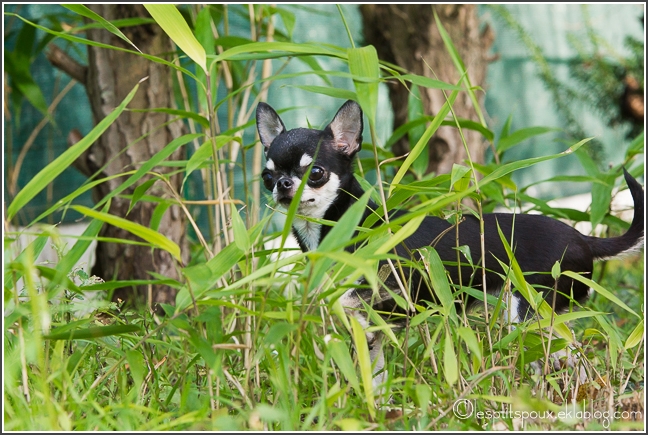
column 347, row 128
column 269, row 124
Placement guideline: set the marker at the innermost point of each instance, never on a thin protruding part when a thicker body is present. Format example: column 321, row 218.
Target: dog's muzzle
column 284, row 191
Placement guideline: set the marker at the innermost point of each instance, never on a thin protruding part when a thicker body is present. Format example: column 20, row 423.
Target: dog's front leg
column 378, row 364
column 351, row 301
column 517, row 310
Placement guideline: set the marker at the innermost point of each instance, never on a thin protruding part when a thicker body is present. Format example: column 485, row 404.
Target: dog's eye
column 268, row 180
column 316, row 174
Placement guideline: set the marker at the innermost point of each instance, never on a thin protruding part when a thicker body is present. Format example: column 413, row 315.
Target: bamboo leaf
column 421, row 317
column 381, row 324
column 24, row 83
column 562, row 318
column 139, row 192
column 78, row 192
column 92, row 332
column 613, row 340
column 340, row 353
column 173, row 23
column 204, row 152
column 521, row 135
column 635, row 147
column 439, row 279
column 450, row 365
column 601, row 199
column 470, row 338
column 569, row 178
column 427, row 82
column 513, row 166
column 153, row 237
column 316, row 68
column 269, row 50
column 84, row 11
column 151, row 163
column 178, row 112
column 339, row 236
column 241, row 236
column 294, row 205
column 463, row 123
column 203, row 29
column 423, row 141
column 110, row 285
column 263, row 271
column 363, row 62
column 635, row 336
column 73, row 38
column 404, row 232
column 459, row 173
column 600, row 290
column 138, row 367
column 62, row 162
column 328, row 91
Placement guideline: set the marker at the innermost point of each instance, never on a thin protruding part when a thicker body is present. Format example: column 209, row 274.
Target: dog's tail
column 633, row 238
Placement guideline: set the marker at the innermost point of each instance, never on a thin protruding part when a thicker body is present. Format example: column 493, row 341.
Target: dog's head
column 328, row 153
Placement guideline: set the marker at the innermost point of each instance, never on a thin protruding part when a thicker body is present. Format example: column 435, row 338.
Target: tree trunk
column 111, row 75
column 407, row 35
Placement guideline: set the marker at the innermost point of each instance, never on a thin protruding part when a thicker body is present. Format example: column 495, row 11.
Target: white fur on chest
column 309, row 232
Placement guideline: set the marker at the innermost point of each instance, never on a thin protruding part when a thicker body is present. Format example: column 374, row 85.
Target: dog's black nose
column 284, row 184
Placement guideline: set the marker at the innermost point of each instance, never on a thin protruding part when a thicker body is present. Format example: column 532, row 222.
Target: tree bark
column 407, row 35
column 111, row 75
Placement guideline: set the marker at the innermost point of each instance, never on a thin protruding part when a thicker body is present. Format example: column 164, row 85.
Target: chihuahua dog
column 538, row 241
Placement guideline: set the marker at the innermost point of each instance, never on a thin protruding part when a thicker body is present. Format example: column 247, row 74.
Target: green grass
column 250, row 345
column 258, row 361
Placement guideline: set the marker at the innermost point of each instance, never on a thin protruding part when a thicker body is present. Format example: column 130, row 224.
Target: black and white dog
column 331, row 188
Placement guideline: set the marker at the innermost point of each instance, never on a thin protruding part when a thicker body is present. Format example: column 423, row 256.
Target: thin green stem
column 346, row 25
